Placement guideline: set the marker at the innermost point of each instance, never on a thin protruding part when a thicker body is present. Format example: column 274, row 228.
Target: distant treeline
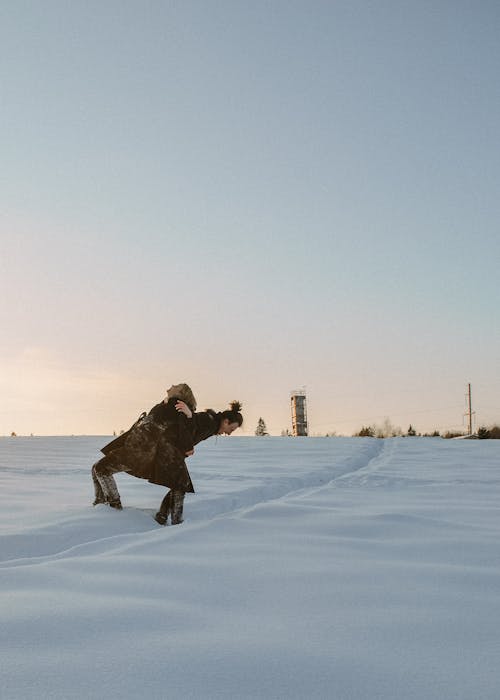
column 492, row 433
column 387, row 430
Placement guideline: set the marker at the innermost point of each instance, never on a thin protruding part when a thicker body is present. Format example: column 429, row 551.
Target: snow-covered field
column 306, row 568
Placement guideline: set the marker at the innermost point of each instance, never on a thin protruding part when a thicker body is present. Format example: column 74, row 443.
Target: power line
column 469, row 413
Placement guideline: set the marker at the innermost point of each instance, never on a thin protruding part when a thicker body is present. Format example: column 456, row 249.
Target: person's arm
column 185, row 427
column 204, row 425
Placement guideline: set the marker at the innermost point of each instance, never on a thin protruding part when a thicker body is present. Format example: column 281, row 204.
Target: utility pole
column 469, row 412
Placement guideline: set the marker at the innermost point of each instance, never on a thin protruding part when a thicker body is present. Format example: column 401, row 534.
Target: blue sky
column 252, row 198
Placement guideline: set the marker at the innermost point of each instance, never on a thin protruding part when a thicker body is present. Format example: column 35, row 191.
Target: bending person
column 165, row 434
column 203, row 425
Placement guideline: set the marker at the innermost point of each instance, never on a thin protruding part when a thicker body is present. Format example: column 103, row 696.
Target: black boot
column 166, row 506
column 160, row 518
column 177, row 507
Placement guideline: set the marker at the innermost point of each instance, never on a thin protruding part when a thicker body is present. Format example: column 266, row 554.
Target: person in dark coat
column 203, row 425
column 154, row 448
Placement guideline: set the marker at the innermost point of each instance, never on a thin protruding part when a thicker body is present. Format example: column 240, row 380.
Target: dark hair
column 233, row 415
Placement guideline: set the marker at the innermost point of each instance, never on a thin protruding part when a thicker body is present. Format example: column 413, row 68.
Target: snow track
column 80, row 531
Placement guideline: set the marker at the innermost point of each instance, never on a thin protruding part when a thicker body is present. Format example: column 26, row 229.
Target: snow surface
column 306, row 568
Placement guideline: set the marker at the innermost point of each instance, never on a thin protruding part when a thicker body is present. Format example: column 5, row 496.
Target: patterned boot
column 177, row 507
column 166, row 506
column 98, row 492
column 105, row 487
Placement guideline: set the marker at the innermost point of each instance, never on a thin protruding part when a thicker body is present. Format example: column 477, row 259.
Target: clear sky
column 251, row 197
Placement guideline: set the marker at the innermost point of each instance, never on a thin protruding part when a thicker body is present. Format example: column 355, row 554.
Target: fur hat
column 184, row 393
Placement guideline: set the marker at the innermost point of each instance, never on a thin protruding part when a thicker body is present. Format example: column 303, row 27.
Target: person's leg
column 98, row 492
column 103, row 472
column 177, row 507
column 166, row 505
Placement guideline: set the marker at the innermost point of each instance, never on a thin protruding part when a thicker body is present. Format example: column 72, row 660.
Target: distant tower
column 299, row 413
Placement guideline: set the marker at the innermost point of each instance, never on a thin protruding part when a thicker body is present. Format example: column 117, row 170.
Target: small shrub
column 452, row 434
column 366, row 431
column 492, row 433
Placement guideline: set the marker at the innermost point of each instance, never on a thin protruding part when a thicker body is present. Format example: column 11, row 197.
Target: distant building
column 299, row 413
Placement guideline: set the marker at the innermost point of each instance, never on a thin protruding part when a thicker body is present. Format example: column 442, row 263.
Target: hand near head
column 183, row 408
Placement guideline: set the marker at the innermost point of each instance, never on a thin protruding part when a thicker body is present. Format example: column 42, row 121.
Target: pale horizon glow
column 250, row 198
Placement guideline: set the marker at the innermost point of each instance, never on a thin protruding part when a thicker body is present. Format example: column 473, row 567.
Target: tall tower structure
column 299, row 413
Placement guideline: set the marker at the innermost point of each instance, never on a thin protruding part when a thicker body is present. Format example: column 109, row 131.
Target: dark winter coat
column 166, row 468
column 154, row 448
